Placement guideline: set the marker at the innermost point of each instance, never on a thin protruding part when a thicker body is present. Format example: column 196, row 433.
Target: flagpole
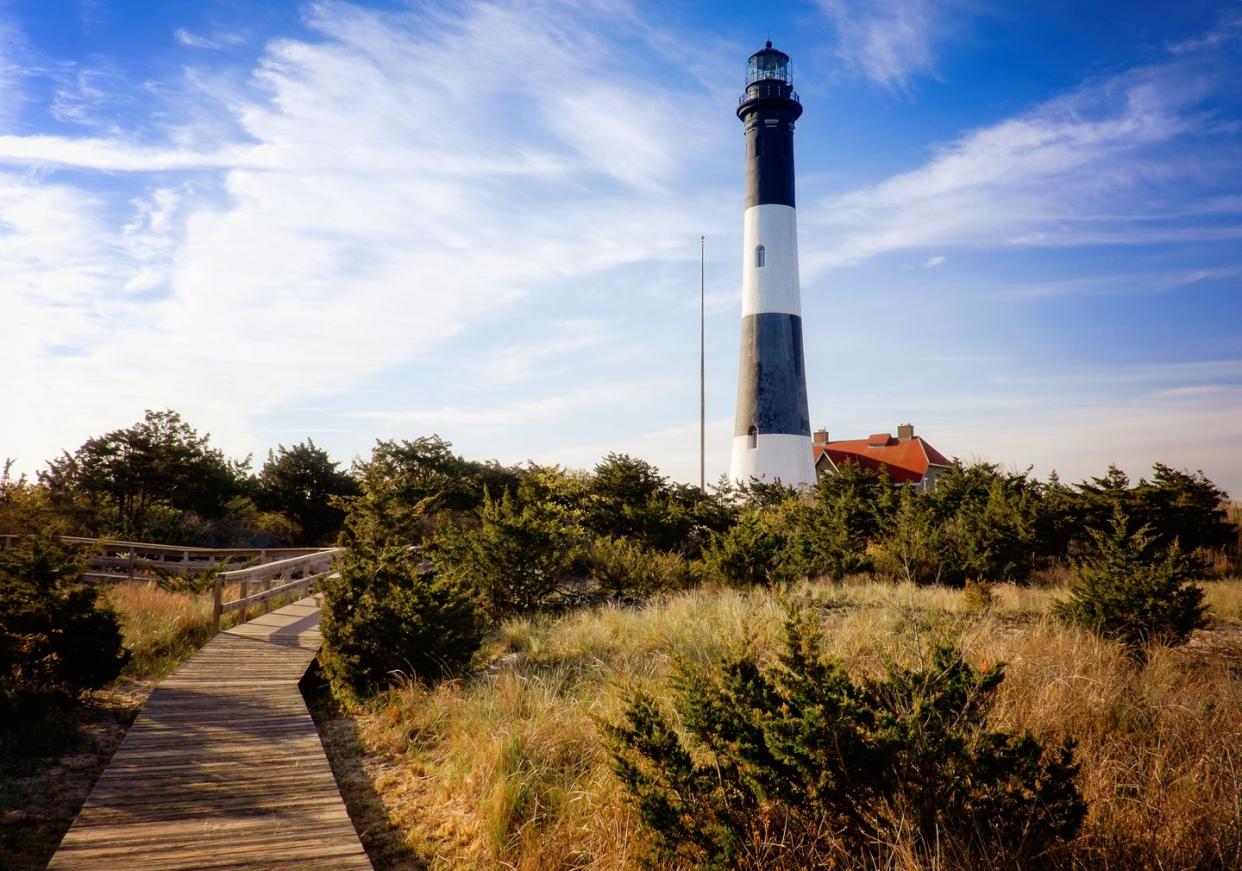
column 702, row 376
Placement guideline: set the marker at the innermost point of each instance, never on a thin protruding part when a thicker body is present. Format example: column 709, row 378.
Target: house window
column 752, row 437
column 759, row 256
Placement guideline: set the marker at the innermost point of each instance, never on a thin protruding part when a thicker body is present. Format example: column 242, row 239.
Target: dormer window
column 759, row 258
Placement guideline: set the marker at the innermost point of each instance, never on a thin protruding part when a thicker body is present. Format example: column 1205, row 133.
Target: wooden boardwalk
column 223, row 768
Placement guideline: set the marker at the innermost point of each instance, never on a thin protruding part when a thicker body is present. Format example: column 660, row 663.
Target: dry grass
column 160, row 628
column 507, row 768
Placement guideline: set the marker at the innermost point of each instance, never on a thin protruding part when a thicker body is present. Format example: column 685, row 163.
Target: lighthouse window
column 752, row 437
column 758, row 145
column 759, row 258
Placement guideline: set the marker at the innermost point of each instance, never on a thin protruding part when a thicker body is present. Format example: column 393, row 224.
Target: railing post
column 131, row 563
column 217, row 603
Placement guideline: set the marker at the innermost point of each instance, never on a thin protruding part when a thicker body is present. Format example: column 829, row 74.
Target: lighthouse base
column 775, row 457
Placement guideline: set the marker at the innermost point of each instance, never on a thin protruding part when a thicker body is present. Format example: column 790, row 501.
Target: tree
column 125, row 482
column 1185, row 508
column 629, row 498
column 24, row 506
column 406, row 484
column 621, row 567
column 915, row 545
column 1132, row 589
column 829, row 534
column 303, row 483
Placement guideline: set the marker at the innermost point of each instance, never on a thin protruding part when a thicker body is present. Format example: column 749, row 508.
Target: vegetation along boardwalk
column 223, row 768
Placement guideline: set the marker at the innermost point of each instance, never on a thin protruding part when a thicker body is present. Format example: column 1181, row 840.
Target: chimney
column 905, row 432
column 821, row 436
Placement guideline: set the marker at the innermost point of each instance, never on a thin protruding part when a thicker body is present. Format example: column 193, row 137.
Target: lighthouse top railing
column 768, row 89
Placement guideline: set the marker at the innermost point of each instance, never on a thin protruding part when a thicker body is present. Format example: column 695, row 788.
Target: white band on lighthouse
column 772, row 286
column 775, row 457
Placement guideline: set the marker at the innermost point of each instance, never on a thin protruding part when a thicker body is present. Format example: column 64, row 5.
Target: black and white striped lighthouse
column 772, row 433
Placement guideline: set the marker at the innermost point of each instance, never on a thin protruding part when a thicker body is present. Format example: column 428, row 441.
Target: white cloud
column 889, row 42
column 193, row 40
column 1126, row 283
column 933, row 262
column 1092, row 167
column 381, row 201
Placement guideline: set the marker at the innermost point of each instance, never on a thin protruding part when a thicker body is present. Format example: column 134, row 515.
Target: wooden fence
column 298, row 574
column 113, row 560
column 280, row 570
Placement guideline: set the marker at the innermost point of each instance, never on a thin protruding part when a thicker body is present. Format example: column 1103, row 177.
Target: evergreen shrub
column 56, row 639
column 1133, row 589
column 801, row 765
column 385, row 615
column 621, row 567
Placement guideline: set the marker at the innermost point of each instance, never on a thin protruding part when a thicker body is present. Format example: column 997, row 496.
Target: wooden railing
column 300, row 574
column 127, row 560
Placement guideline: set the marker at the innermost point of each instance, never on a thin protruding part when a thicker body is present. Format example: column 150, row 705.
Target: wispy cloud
column 342, row 234
column 934, row 261
column 1094, row 166
column 890, row 42
column 193, row 40
column 1119, row 284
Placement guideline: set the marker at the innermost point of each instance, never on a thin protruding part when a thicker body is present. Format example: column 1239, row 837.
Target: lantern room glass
column 768, row 65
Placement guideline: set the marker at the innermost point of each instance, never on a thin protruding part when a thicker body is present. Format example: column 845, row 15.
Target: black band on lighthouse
column 770, row 163
column 771, row 384
column 769, row 109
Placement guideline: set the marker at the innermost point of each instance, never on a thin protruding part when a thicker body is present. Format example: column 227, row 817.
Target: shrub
column 384, row 615
column 828, row 532
column 800, row 764
column 628, row 497
column 1135, row 591
column 914, row 546
column 56, row 640
column 750, row 553
column 979, row 595
column 621, row 567
column 519, row 558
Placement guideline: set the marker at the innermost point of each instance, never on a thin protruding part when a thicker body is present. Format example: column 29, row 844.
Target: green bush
column 1134, row 590
column 386, row 615
column 56, row 640
column 751, row 553
column 621, row 567
column 520, row 557
column 628, row 498
column 801, row 765
column 915, row 545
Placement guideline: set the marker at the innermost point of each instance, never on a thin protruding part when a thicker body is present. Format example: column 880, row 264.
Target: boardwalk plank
column 223, row 768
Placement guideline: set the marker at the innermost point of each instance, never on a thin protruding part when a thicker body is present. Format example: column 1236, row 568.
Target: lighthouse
column 772, row 431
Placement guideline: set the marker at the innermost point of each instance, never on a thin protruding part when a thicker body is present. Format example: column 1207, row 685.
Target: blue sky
column 1020, row 225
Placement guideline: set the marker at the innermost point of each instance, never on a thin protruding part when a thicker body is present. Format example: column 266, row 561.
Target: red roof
column 907, row 460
